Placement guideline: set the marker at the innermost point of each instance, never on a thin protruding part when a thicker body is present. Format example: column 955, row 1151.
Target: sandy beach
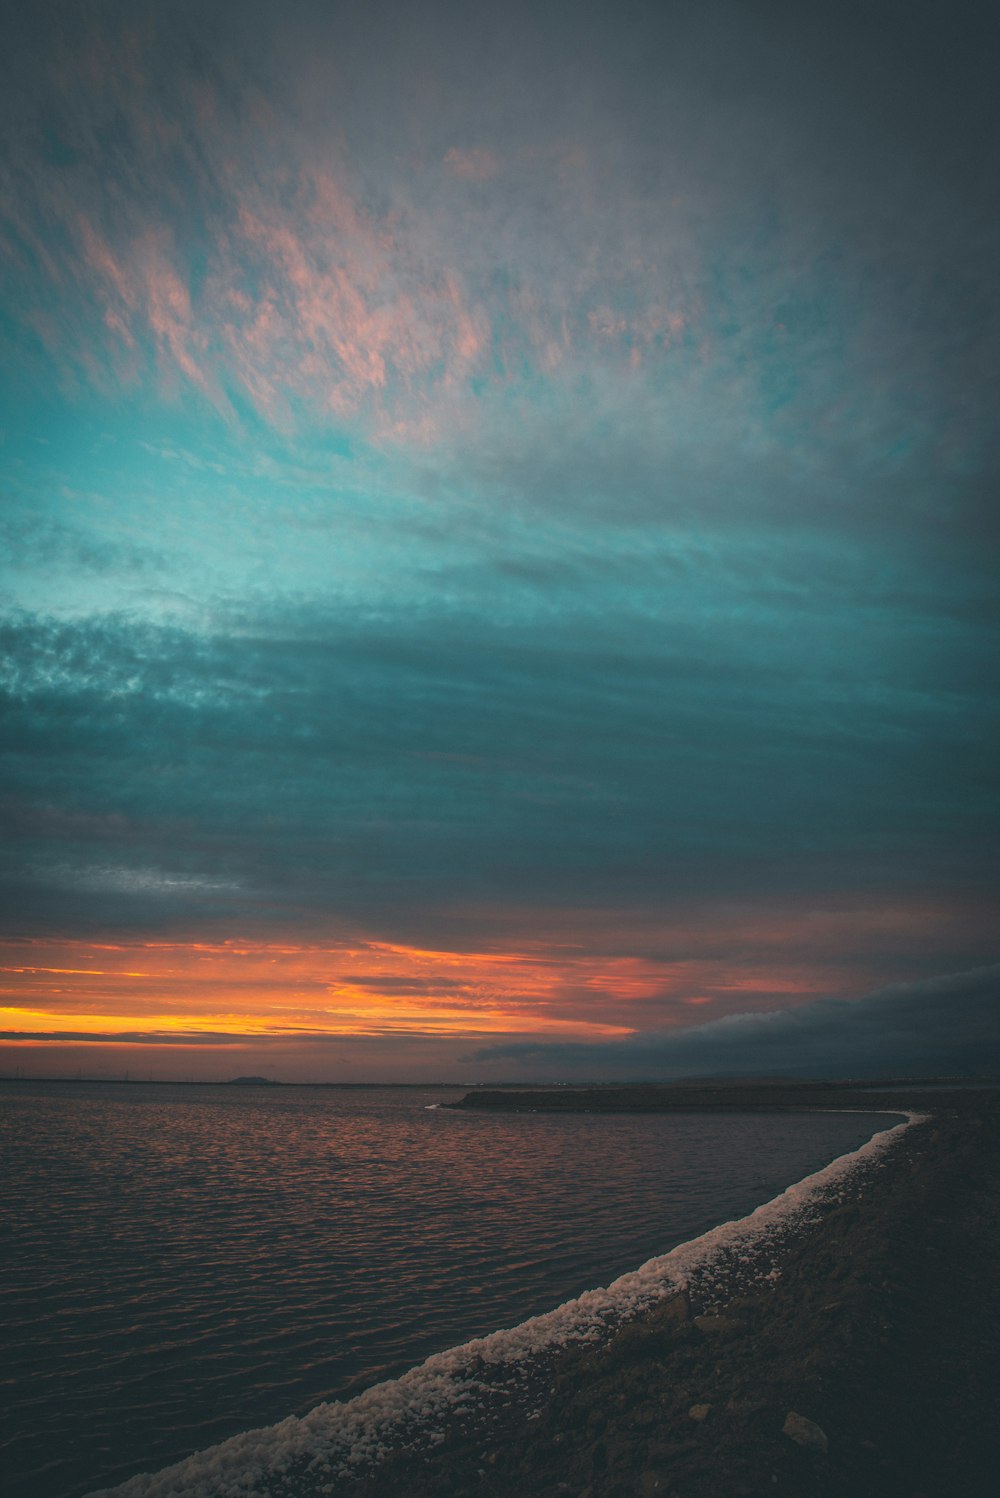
column 863, row 1361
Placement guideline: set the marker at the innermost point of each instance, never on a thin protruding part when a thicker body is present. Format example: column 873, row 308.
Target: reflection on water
column 184, row 1263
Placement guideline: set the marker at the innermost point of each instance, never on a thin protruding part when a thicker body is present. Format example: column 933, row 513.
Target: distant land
column 709, row 1096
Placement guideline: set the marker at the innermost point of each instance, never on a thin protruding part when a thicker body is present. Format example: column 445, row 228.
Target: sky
column 498, row 539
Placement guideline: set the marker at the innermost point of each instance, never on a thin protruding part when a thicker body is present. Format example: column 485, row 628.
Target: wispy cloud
column 474, row 164
column 231, row 251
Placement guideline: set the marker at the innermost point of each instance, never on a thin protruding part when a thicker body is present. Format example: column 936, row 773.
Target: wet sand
column 864, row 1363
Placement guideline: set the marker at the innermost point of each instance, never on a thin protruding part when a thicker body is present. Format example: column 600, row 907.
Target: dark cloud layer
column 948, row 1026
column 307, row 762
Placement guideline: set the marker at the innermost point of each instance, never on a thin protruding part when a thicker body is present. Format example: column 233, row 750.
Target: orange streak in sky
column 361, row 988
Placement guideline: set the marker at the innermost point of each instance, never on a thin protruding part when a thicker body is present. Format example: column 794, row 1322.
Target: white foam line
column 340, row 1437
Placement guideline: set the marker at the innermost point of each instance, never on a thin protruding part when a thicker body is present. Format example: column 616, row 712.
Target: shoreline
column 488, row 1411
column 866, row 1367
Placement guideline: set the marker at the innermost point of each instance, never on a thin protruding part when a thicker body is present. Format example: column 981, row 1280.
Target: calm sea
column 183, row 1263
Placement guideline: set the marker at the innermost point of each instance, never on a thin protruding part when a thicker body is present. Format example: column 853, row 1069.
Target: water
column 185, row 1263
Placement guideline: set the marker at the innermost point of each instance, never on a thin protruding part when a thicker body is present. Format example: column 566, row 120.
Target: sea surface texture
column 184, row 1263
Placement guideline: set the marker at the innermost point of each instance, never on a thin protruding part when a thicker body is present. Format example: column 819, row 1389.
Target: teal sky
column 499, row 486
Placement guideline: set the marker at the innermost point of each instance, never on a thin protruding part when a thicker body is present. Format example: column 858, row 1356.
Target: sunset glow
column 221, row 994
column 272, row 989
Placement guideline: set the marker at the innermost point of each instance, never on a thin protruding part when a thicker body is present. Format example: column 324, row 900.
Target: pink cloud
column 342, row 315
column 109, row 272
column 312, row 297
column 475, row 165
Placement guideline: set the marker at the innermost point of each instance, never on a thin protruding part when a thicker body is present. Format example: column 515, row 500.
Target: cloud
column 139, row 1037
column 205, row 221
column 229, row 243
column 473, row 164
column 299, row 759
column 32, row 541
column 492, row 481
column 947, row 1025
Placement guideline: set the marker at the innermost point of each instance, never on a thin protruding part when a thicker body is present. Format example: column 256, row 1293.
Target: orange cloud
column 364, row 988
column 274, row 989
column 388, row 1008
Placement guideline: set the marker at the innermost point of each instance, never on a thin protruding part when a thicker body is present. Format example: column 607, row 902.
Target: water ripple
column 182, row 1264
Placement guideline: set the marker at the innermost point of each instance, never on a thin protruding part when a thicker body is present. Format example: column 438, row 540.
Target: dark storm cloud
column 941, row 1025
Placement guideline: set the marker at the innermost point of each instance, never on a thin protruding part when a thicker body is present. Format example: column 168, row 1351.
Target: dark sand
column 881, row 1333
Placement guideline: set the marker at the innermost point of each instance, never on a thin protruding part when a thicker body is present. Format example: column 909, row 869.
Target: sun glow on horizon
column 233, row 989
column 224, row 991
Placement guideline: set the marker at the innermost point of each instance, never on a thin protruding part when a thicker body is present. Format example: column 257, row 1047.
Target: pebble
column 805, row 1432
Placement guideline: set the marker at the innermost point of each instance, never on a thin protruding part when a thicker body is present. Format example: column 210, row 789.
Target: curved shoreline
column 358, row 1445
column 868, row 1366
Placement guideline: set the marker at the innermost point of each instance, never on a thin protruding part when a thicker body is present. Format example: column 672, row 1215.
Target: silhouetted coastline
column 739, row 1096
column 867, row 1365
